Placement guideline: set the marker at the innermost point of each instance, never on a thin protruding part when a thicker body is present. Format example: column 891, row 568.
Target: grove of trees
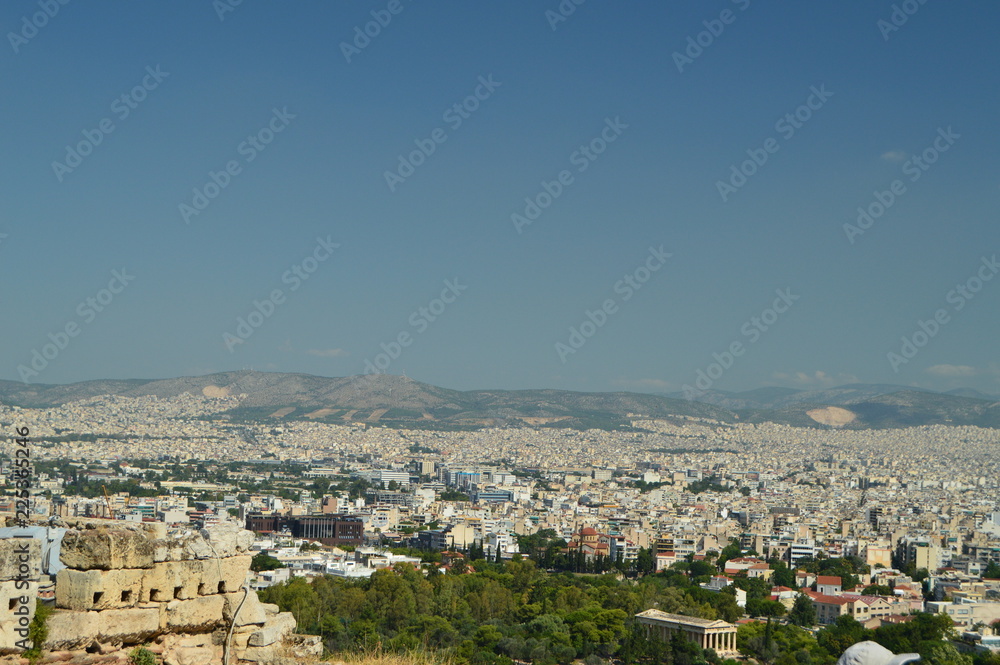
column 484, row 612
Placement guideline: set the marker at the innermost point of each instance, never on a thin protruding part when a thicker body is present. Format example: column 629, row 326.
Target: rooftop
column 657, row 615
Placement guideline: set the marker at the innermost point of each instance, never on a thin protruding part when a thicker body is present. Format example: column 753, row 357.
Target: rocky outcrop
column 106, row 549
column 228, row 539
column 274, row 631
column 133, row 584
column 219, row 542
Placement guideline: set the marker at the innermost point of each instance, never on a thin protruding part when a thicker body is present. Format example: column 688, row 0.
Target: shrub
column 38, row 631
column 141, row 656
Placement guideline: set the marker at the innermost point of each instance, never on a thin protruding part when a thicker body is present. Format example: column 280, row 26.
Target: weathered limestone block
column 15, row 604
column 224, row 575
column 195, row 547
column 192, row 656
column 219, row 540
column 155, row 530
column 252, row 612
column 304, row 647
column 166, row 549
column 84, row 590
column 241, row 637
column 181, row 580
column 20, row 558
column 171, row 580
column 187, row 641
column 198, row 615
column 183, row 545
column 12, row 590
column 70, row 630
column 227, row 539
column 190, row 649
column 269, row 654
column 106, row 549
column 180, row 546
column 275, row 630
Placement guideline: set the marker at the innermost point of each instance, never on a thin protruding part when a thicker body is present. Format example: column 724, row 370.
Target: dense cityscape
column 510, row 333
column 758, row 524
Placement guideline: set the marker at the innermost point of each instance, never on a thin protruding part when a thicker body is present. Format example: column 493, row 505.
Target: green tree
column 783, row 575
column 844, row 632
column 263, row 561
column 763, row 607
column 912, row 636
column 645, row 562
column 701, row 571
column 803, row 612
column 945, row 653
column 730, row 551
column 761, row 646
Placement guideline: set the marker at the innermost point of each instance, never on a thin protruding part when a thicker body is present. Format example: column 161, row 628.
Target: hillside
column 402, row 402
column 904, row 408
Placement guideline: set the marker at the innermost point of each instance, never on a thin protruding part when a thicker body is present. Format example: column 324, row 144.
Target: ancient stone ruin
column 118, row 585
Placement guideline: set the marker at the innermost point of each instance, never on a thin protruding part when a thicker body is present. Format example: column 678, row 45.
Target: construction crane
column 107, row 500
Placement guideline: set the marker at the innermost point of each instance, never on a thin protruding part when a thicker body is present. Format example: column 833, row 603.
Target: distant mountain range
column 778, row 398
column 401, row 402
column 859, row 406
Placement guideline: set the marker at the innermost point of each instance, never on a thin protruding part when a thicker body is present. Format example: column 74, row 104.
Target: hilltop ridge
column 398, row 401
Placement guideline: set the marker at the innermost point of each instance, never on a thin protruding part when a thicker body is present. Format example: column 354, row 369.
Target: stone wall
column 19, row 573
column 128, row 584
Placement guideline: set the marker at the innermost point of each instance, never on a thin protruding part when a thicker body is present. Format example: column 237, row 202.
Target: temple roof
column 684, row 620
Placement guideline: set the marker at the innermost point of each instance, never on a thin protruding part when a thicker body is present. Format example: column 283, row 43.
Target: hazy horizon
column 676, row 394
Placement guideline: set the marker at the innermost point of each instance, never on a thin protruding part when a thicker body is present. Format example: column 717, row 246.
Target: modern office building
column 327, row 529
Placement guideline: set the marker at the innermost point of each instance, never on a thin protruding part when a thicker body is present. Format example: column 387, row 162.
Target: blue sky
column 670, row 135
